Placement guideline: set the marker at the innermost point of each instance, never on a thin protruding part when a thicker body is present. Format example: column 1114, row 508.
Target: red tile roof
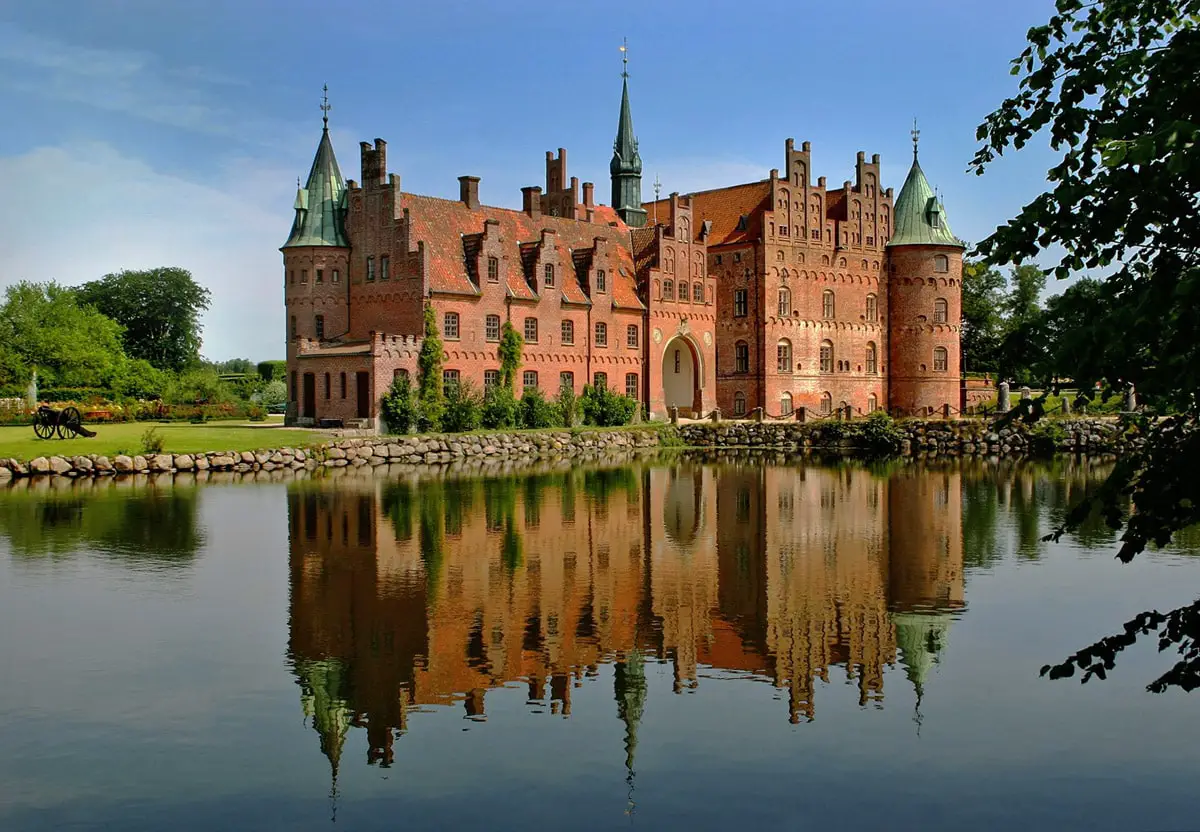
column 725, row 207
column 441, row 224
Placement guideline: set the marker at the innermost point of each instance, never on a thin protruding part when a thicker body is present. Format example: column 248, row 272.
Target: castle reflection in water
column 432, row 592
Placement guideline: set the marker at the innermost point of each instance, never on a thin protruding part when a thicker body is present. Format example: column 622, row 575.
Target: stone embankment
column 918, row 437
column 357, row 452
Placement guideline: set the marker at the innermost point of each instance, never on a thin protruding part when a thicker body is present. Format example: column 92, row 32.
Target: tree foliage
column 44, row 328
column 160, row 310
column 1115, row 84
column 429, row 375
column 982, row 322
column 510, row 349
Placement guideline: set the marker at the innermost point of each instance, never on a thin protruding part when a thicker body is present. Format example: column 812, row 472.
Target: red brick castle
column 777, row 294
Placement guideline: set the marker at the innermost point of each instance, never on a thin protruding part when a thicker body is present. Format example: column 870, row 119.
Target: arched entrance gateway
column 682, row 377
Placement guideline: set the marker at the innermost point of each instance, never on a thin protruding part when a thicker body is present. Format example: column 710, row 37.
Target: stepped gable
column 724, row 208
column 441, row 224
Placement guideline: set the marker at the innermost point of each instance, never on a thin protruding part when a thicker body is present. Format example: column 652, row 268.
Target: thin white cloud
column 87, row 210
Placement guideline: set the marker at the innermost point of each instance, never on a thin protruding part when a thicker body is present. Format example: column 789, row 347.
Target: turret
column 316, row 257
column 924, row 300
column 626, row 165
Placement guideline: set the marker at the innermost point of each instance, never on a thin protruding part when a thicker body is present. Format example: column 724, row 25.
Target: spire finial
column 325, row 106
column 624, row 57
column 916, row 137
column 657, row 188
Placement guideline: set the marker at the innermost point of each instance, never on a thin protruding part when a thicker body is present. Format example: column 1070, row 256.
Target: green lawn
column 178, row 437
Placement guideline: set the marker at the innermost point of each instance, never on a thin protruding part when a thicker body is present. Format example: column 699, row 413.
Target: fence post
column 716, row 415
column 674, row 415
column 802, row 414
column 849, row 413
column 757, row 415
column 946, row 410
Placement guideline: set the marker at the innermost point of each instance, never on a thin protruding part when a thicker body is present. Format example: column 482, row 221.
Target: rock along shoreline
column 918, row 439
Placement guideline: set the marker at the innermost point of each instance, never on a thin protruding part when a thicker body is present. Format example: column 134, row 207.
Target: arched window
column 872, row 403
column 783, row 356
column 785, row 303
column 826, row 356
column 739, row 403
column 826, row 404
column 941, row 263
column 872, row 359
column 941, row 360
column 741, row 357
column 697, row 293
column 872, row 309
column 668, row 290
column 785, row 404
column 827, row 303
column 940, row 311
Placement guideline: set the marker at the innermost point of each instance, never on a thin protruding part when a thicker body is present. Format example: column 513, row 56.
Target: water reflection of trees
column 134, row 523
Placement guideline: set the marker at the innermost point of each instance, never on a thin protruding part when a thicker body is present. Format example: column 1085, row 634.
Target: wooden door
column 364, row 395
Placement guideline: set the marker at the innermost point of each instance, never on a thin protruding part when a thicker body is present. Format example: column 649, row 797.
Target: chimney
column 531, row 201
column 468, row 191
column 588, row 190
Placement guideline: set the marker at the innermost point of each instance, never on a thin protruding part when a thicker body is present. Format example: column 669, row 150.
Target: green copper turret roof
column 321, row 203
column 920, row 219
column 921, row 638
column 625, row 149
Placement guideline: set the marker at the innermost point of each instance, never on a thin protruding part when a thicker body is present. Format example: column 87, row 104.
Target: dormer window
column 743, row 222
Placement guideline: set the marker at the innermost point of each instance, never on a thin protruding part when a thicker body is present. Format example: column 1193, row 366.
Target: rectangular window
column 371, row 269
column 816, row 234
column 337, row 276
column 631, row 336
column 870, row 241
column 631, row 385
column 449, row 381
column 295, row 331
column 493, row 270
column 601, row 281
column 531, row 331
column 719, row 258
column 737, row 257
column 304, row 275
column 491, row 379
column 320, row 327
column 292, row 276
column 741, row 356
column 343, row 380
column 320, row 275
column 492, row 327
column 450, row 325
column 529, row 380
column 600, row 381
column 740, row 303
column 566, row 379
column 568, row 333
column 697, row 292
column 548, row 274
column 601, row 334
column 385, row 272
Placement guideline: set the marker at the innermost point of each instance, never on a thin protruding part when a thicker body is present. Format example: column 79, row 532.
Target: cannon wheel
column 69, row 422
column 43, row 428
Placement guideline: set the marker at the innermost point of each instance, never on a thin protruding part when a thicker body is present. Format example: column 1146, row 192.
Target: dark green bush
column 880, row 434
column 604, row 408
column 500, row 409
column 568, row 406
column 399, row 406
column 463, row 409
column 537, row 411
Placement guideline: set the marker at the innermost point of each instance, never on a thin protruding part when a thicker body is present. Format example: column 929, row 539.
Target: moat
column 665, row 644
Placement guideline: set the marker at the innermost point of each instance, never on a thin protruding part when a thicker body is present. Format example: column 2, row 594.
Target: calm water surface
column 657, row 645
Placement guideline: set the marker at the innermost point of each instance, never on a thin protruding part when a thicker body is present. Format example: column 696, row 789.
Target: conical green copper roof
column 321, row 203
column 625, row 149
column 629, row 683
column 920, row 219
column 921, row 637
column 323, row 699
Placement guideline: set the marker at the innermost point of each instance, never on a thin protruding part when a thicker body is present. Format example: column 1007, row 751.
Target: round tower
column 924, row 301
column 316, row 263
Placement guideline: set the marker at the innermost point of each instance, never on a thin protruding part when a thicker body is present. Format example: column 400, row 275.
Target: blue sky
column 141, row 133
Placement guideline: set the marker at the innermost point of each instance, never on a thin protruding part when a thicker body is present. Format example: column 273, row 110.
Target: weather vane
column 916, row 137
column 624, row 57
column 325, row 105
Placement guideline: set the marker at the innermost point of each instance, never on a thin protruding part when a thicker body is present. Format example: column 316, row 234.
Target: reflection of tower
column 323, row 699
column 926, row 566
column 629, row 686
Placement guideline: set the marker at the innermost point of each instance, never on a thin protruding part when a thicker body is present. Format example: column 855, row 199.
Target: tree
column 510, row 349
column 274, row 392
column 429, row 375
column 982, row 323
column 43, row 328
column 1116, row 85
column 160, row 310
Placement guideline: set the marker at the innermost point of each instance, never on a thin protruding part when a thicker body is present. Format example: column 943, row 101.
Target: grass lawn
column 178, row 437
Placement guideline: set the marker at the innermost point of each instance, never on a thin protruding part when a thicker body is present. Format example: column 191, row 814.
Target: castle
column 777, row 294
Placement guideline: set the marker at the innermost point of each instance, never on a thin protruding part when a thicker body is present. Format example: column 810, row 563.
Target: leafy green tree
column 160, row 310
column 1116, row 86
column 274, row 392
column 138, row 379
column 568, row 406
column 983, row 324
column 242, row 366
column 43, row 328
column 430, row 397
column 536, row 410
column 201, row 385
column 510, row 349
column 464, row 408
column 500, row 408
column 271, row 370
column 398, row 406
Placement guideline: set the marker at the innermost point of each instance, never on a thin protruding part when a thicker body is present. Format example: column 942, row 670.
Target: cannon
column 66, row 423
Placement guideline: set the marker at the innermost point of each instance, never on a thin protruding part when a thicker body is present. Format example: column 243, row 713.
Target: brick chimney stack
column 468, row 191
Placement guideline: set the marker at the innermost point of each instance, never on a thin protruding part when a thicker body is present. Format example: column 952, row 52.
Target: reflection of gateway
column 433, row 593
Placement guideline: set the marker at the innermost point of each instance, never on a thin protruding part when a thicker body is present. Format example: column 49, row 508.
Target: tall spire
column 920, row 219
column 629, row 687
column 321, row 204
column 626, row 165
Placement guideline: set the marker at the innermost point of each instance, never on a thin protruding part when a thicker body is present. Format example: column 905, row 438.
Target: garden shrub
column 537, row 411
column 399, row 406
column 152, row 442
column 500, row 408
column 464, row 408
column 568, row 406
column 604, row 408
column 880, row 434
